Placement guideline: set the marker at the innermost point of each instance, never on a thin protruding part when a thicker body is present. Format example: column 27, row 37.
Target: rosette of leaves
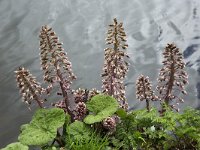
column 100, row 107
column 43, row 127
column 115, row 65
column 172, row 77
column 30, row 89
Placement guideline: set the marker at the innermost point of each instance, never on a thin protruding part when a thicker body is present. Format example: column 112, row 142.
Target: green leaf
column 121, row 113
column 101, row 106
column 79, row 130
column 15, row 146
column 90, row 119
column 100, row 102
column 43, row 127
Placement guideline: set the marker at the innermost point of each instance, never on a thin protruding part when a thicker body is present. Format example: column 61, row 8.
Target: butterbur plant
column 82, row 119
column 30, row 89
column 55, row 64
column 115, row 66
column 172, row 76
column 144, row 91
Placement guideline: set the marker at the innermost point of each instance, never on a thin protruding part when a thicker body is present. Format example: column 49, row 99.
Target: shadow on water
column 81, row 26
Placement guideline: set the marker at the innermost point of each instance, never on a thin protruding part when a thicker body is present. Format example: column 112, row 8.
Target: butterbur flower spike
column 55, row 64
column 30, row 89
column 144, row 91
column 80, row 95
column 172, row 77
column 80, row 111
column 54, row 60
column 115, row 66
column 109, row 123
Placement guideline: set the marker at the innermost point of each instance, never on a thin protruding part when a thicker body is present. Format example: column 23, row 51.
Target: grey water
column 81, row 25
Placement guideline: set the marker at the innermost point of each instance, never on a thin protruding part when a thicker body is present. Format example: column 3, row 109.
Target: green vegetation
column 43, row 127
column 101, row 107
column 99, row 120
column 148, row 130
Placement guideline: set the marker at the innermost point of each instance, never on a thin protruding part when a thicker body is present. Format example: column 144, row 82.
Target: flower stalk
column 172, row 77
column 144, row 91
column 115, row 66
column 55, row 64
column 30, row 89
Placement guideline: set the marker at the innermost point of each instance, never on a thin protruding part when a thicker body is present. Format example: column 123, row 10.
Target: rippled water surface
column 81, row 26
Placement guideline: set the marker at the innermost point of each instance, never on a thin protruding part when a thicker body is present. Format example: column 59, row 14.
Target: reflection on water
column 81, row 25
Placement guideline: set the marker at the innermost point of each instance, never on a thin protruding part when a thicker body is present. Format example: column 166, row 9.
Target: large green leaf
column 15, row 146
column 101, row 106
column 79, row 130
column 43, row 127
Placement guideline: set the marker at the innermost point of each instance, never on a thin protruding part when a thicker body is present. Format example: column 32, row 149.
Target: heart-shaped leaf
column 101, row 106
column 43, row 127
column 79, row 130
